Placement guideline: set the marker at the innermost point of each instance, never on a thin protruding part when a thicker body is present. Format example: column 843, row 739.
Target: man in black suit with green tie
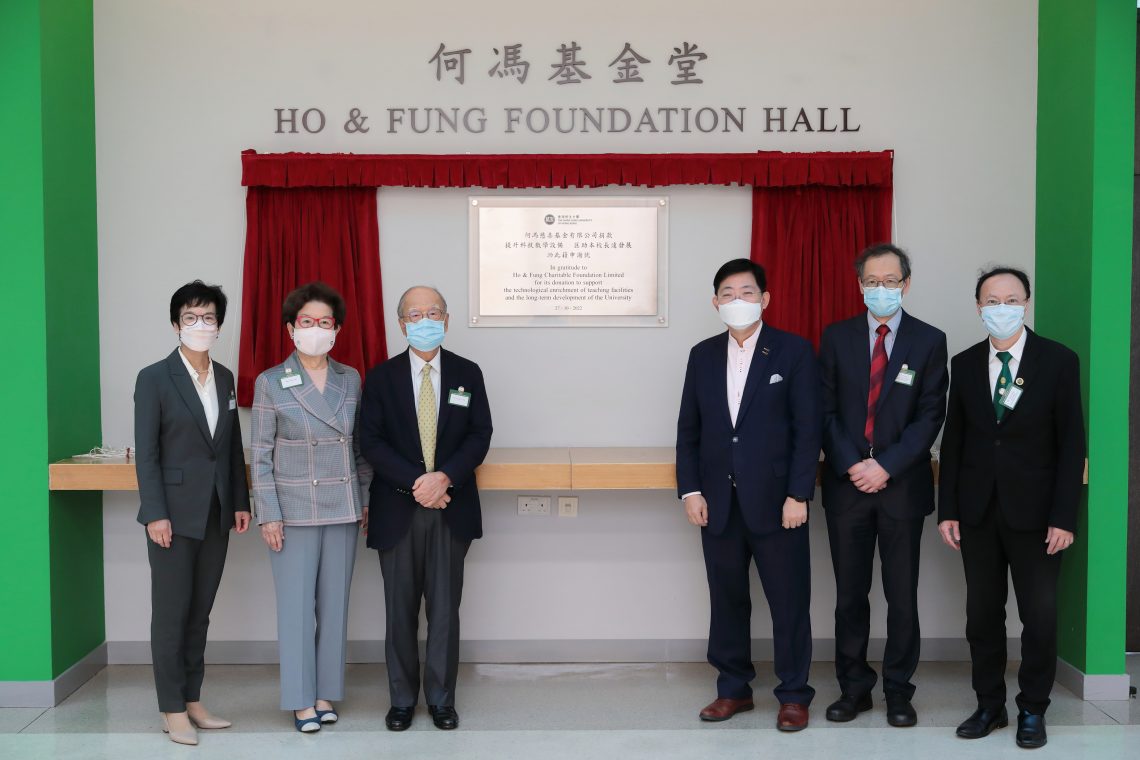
column 1013, row 456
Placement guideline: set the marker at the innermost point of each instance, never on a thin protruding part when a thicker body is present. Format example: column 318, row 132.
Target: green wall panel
column 1085, row 130
column 53, row 542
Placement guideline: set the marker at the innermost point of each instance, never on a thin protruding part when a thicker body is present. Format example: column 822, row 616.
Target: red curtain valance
column 764, row 169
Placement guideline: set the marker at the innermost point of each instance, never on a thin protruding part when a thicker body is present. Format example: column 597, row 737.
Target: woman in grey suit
column 192, row 491
column 309, row 487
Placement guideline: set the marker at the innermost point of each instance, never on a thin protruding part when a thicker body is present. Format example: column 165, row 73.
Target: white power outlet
column 567, row 506
column 534, row 505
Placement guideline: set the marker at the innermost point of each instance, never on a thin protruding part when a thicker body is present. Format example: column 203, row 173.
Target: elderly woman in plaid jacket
column 309, row 486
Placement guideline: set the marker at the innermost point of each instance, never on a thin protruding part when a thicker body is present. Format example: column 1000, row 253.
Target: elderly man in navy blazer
column 748, row 441
column 884, row 400
column 425, row 427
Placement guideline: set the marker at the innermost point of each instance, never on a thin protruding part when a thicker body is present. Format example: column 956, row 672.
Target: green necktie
column 1005, row 380
column 426, row 414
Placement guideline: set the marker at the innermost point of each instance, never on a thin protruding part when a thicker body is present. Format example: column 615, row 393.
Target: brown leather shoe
column 724, row 708
column 792, row 717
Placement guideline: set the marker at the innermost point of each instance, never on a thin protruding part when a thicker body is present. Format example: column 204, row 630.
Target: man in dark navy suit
column 748, row 441
column 884, row 400
column 425, row 426
column 1013, row 458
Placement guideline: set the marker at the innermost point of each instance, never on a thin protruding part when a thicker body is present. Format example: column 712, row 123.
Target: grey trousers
column 312, row 575
column 426, row 564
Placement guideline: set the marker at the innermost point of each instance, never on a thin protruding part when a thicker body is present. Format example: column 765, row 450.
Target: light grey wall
column 182, row 88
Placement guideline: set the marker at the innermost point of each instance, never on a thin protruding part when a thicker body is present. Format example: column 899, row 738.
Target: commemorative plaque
column 568, row 261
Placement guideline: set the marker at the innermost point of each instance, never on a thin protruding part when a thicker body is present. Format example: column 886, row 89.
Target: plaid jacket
column 306, row 465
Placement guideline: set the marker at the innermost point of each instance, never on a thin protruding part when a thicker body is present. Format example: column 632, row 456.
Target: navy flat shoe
column 307, row 725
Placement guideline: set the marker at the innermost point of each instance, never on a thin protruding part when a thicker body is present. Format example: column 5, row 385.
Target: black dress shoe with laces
column 1030, row 730
column 847, row 707
column 399, row 718
column 444, row 717
column 900, row 712
column 982, row 722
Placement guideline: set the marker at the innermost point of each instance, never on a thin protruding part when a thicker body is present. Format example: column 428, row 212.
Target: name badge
column 233, row 401
column 290, row 380
column 1010, row 397
column 906, row 376
column 457, row 397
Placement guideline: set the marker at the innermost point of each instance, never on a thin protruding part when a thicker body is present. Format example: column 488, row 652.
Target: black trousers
column 990, row 552
column 184, row 580
column 784, row 565
column 426, row 564
column 853, row 533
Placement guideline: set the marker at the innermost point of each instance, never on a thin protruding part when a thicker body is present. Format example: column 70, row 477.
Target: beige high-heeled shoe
column 202, row 718
column 178, row 726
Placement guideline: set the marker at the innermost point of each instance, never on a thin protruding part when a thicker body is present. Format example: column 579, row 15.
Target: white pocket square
column 775, row 379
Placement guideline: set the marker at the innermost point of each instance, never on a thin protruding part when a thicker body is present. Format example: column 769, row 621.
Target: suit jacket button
column 314, row 482
column 997, row 442
column 344, row 480
column 342, row 439
column 736, row 439
column 313, row 442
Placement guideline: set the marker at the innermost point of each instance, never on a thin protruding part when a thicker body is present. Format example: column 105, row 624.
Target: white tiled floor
column 548, row 711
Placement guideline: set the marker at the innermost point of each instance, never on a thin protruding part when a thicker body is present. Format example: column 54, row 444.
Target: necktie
column 878, row 370
column 426, row 414
column 1005, row 380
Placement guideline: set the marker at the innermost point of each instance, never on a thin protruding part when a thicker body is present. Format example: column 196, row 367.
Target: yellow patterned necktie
column 426, row 414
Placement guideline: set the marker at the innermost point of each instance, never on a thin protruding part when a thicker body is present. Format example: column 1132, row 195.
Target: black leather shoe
column 982, row 722
column 900, row 712
column 444, row 716
column 847, row 707
column 399, row 718
column 1030, row 730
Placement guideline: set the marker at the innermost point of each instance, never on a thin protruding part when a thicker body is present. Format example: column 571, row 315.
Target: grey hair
column 400, row 303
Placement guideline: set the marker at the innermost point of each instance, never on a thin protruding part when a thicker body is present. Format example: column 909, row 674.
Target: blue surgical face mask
column 882, row 301
column 1003, row 320
column 425, row 335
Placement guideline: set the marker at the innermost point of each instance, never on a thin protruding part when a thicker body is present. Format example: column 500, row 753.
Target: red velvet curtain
column 763, row 169
column 807, row 239
column 295, row 236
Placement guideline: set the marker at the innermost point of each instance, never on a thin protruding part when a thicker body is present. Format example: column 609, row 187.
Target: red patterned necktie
column 878, row 370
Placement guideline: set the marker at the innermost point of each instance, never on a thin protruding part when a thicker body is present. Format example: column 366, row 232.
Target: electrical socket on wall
column 534, row 505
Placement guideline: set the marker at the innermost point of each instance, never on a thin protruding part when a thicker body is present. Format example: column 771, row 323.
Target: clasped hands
column 868, row 476
column 430, row 490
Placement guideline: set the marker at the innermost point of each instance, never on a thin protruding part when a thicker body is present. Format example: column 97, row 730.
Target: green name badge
column 1011, row 396
column 458, row 397
column 906, row 376
column 290, row 380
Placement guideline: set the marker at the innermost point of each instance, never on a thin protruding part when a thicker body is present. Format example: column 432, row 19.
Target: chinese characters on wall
column 575, row 64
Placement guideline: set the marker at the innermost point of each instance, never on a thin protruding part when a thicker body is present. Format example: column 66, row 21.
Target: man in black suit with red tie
column 748, row 438
column 884, row 400
column 1013, row 456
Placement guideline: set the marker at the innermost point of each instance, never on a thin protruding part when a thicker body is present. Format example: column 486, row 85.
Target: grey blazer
column 306, row 465
column 178, row 463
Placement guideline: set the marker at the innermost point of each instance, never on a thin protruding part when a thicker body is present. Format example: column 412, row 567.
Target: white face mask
column 739, row 314
column 199, row 337
column 314, row 341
